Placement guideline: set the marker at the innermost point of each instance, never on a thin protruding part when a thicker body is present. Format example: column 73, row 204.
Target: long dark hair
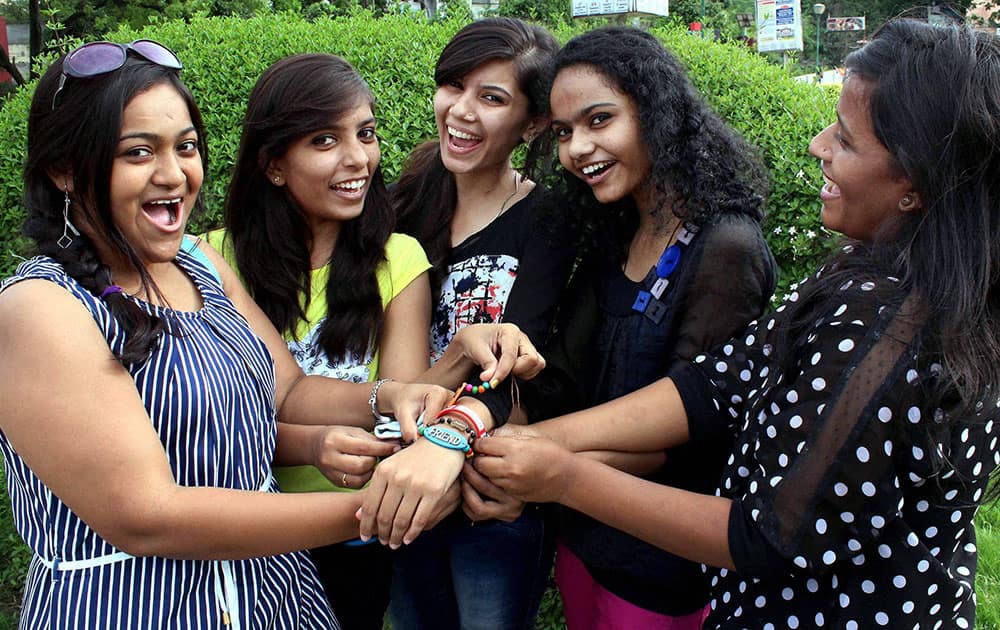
column 934, row 98
column 699, row 164
column 271, row 238
column 425, row 196
column 79, row 137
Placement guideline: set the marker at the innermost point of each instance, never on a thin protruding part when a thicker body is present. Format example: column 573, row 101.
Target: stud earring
column 277, row 180
column 66, row 240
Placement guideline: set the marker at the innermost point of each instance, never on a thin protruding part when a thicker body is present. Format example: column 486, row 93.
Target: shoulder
column 733, row 232
column 403, row 246
column 37, row 308
column 220, row 241
column 404, row 260
column 858, row 299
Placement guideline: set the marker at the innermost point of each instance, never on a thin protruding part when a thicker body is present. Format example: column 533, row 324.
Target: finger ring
column 343, row 480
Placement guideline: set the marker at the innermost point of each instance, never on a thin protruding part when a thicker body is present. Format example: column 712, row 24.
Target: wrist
column 550, row 431
column 466, row 418
column 382, row 400
column 477, row 407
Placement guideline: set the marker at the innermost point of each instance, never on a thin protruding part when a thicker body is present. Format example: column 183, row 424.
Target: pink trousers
column 589, row 606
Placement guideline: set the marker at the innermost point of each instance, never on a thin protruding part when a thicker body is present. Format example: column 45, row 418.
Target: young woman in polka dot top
column 865, row 408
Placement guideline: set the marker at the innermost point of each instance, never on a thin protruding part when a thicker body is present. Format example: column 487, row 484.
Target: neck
column 479, row 189
column 324, row 240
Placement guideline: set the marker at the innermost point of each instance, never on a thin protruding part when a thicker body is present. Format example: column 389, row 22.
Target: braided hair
column 71, row 150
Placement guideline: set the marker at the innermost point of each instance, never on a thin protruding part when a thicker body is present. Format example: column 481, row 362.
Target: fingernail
column 407, row 541
column 365, row 537
column 393, row 546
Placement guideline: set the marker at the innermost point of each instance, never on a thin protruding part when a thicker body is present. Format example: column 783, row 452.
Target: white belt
column 225, row 580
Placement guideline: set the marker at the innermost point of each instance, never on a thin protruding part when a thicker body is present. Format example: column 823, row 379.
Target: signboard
column 586, row 8
column 779, row 25
column 845, row 23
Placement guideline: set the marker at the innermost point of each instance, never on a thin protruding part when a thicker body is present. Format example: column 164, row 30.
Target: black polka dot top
column 853, row 497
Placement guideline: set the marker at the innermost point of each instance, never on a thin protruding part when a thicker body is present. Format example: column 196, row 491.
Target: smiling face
column 599, row 135
column 863, row 188
column 481, row 118
column 328, row 172
column 156, row 174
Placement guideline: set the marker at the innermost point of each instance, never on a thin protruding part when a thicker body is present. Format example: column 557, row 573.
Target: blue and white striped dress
column 209, row 392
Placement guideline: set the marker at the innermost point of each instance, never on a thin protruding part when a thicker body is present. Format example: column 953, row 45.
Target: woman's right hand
column 499, row 350
column 407, row 493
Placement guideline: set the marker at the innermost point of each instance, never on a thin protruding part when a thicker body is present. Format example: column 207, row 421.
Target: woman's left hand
column 483, row 500
column 532, row 469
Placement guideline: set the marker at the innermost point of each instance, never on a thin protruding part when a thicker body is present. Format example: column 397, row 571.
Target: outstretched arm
column 302, row 399
column 98, row 450
column 687, row 524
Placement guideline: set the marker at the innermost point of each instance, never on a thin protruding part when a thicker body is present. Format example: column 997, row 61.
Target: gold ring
column 343, row 480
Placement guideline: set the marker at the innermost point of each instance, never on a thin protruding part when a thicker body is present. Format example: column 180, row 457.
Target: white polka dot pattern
column 866, row 491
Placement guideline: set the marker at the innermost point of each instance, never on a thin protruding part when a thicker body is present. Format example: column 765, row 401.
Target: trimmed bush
column 396, row 53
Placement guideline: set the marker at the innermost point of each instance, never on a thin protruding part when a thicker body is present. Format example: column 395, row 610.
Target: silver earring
column 277, row 180
column 66, row 240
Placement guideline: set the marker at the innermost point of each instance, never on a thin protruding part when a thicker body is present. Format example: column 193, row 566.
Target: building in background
column 15, row 39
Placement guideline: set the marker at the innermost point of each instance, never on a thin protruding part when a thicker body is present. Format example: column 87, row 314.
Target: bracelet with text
column 460, row 425
column 447, row 438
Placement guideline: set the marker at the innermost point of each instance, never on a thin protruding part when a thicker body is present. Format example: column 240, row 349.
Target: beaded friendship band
column 479, row 389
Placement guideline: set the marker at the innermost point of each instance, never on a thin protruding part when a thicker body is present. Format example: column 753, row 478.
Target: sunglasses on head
column 97, row 58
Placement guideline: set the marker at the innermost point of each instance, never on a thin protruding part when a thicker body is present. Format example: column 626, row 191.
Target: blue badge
column 642, row 301
column 668, row 261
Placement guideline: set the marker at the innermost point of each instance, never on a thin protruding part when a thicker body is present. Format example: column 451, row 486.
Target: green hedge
column 224, row 56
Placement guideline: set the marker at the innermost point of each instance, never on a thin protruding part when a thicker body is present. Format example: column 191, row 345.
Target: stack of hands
column 417, row 483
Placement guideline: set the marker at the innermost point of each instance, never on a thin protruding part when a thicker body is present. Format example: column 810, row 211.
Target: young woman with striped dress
column 141, row 385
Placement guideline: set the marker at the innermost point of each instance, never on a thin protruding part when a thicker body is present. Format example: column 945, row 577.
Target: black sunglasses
column 97, row 58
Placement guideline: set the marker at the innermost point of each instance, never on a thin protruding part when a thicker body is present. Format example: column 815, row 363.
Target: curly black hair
column 700, row 165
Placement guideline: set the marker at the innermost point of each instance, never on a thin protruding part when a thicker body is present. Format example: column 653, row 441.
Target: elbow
column 139, row 526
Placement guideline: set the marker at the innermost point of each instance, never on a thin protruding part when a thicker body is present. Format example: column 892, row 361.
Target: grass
column 14, row 559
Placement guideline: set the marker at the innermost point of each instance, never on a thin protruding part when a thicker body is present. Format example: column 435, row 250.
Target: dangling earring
column 66, row 240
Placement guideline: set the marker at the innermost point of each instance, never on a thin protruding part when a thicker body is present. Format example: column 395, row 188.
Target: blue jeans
column 490, row 576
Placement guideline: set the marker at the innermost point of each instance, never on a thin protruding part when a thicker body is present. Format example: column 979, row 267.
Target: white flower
column 792, row 230
column 777, row 230
column 801, row 174
column 811, row 234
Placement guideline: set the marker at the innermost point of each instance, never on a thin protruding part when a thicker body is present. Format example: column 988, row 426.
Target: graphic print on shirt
column 475, row 291
column 310, row 356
